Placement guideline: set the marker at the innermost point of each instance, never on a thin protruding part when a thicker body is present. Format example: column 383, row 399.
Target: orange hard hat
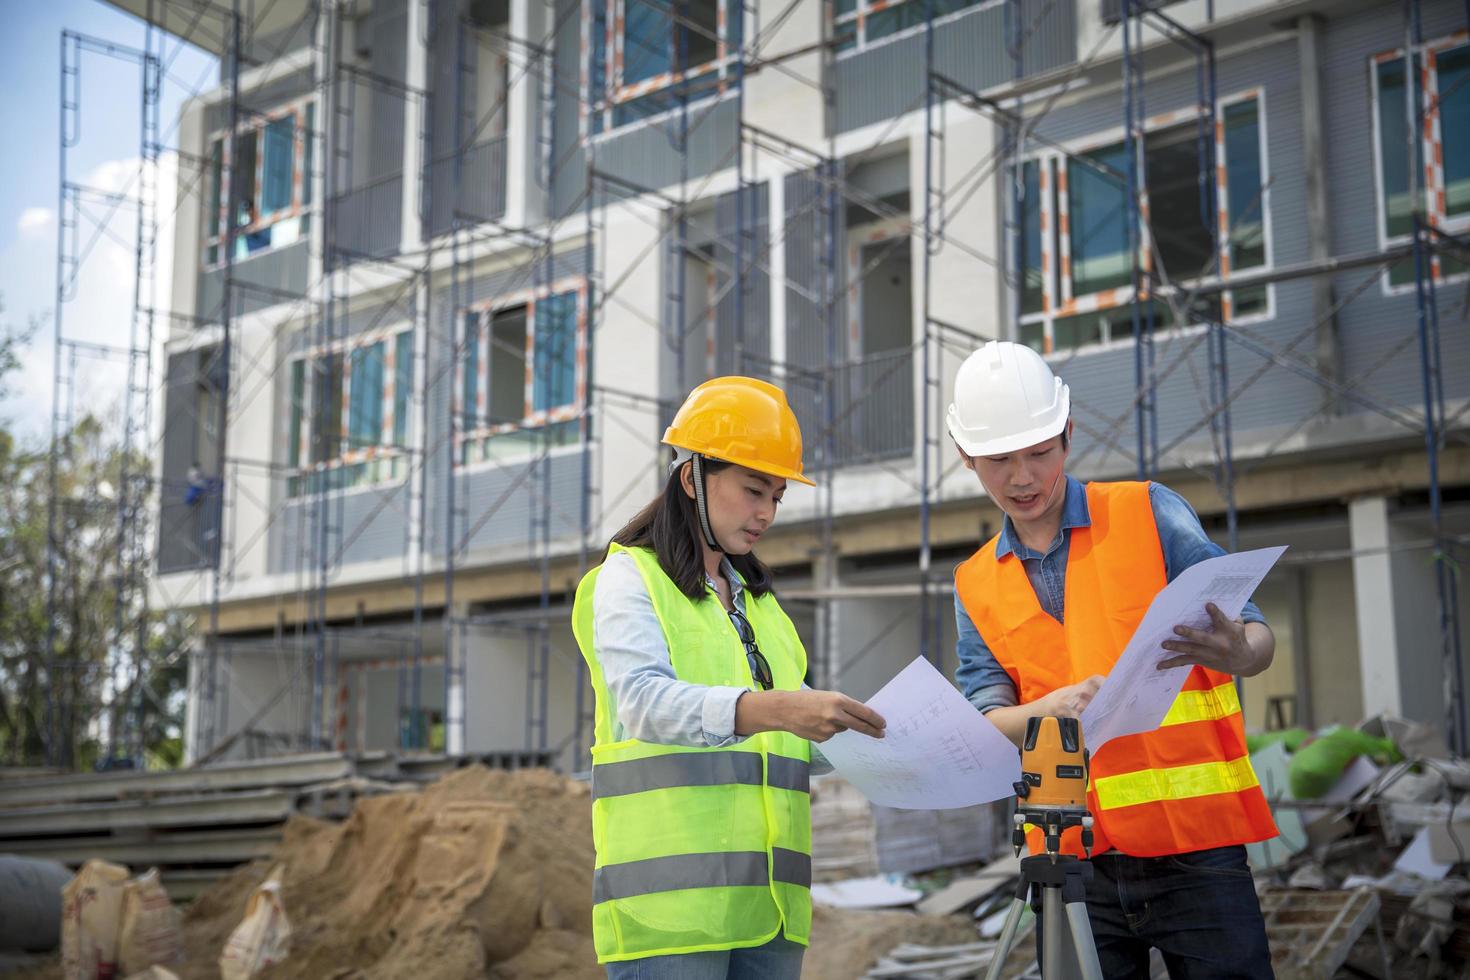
column 743, row 421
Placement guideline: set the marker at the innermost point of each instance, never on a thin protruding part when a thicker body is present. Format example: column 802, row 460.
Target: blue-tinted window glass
column 1097, row 234
column 402, row 386
column 1393, row 135
column 1454, row 128
column 555, row 370
column 279, row 164
column 1243, row 183
column 365, row 397
column 648, row 38
column 1031, row 284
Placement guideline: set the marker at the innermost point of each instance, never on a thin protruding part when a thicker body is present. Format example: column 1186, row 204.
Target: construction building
column 443, row 269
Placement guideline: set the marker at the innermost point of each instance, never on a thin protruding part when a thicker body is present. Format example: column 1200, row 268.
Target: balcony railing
column 872, row 415
column 473, row 191
column 367, row 223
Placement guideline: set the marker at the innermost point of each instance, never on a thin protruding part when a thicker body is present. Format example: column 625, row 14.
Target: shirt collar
column 737, row 585
column 1074, row 514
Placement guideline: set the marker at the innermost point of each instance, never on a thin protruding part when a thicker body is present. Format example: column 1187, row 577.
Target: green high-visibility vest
column 698, row 848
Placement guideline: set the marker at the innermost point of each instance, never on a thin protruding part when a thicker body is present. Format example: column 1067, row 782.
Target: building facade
column 445, row 267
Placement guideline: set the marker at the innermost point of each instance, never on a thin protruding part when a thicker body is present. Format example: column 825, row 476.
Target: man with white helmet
column 1043, row 611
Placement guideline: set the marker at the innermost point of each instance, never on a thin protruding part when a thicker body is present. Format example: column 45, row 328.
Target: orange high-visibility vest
column 1186, row 786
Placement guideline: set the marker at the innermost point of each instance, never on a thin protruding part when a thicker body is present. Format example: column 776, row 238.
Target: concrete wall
column 497, row 694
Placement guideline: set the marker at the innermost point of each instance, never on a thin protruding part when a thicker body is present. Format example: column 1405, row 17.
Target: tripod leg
column 1083, row 944
column 1008, row 931
column 1053, row 926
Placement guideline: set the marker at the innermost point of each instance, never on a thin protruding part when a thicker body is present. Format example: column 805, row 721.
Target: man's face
column 1026, row 484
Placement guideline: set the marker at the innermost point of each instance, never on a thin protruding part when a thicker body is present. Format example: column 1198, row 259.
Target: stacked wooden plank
column 195, row 825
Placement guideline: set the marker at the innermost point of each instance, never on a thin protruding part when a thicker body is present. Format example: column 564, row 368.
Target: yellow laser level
column 1052, row 794
column 1052, row 791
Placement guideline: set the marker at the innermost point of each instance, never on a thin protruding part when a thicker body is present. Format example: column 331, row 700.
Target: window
column 520, row 380
column 646, row 56
column 1441, row 93
column 269, row 162
column 860, row 23
column 1076, row 286
column 349, row 408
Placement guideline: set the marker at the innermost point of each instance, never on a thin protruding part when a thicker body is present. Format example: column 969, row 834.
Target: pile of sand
column 484, row 873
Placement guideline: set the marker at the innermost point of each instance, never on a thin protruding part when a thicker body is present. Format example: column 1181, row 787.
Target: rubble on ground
column 1367, row 878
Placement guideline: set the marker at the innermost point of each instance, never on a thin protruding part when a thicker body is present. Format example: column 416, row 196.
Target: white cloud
column 35, row 220
column 99, row 308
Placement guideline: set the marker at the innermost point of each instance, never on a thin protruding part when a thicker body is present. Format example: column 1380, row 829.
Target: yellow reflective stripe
column 1179, row 783
column 1208, row 705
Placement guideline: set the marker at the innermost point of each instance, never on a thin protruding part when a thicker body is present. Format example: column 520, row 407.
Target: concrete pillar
column 526, row 201
column 195, row 700
column 417, row 78
column 1378, row 651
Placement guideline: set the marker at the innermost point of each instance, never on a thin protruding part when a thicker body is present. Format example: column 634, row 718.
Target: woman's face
column 742, row 504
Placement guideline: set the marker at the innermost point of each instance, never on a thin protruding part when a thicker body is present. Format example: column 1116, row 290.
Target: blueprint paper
column 1136, row 695
column 938, row 752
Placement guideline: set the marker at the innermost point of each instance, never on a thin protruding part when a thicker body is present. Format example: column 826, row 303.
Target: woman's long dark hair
column 669, row 525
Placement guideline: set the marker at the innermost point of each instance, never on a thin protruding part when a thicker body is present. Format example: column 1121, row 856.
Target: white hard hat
column 1005, row 399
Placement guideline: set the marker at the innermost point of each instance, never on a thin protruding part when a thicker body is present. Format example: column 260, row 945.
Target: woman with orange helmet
column 702, row 747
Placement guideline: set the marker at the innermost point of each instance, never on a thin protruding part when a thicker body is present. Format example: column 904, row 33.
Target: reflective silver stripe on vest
column 788, row 773
column 792, row 867
column 666, row 874
column 679, row 871
column 696, row 769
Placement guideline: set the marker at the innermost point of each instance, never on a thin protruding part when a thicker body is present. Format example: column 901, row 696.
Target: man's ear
column 686, row 478
column 1067, row 438
column 965, row 458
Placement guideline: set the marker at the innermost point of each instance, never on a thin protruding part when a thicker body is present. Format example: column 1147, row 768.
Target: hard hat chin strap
column 701, row 505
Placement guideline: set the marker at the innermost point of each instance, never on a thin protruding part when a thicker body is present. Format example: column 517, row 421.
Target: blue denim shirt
column 650, row 702
column 981, row 677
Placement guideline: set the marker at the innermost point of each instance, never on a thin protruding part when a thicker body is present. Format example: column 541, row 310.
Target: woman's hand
column 812, row 715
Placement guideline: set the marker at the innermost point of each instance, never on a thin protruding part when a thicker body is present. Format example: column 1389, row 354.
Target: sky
column 104, row 157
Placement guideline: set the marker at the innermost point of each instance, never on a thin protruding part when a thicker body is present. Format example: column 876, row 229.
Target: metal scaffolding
column 475, row 255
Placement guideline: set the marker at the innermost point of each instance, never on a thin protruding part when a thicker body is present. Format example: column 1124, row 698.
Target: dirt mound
column 484, row 873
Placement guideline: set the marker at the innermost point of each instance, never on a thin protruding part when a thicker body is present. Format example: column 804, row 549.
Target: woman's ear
column 686, row 478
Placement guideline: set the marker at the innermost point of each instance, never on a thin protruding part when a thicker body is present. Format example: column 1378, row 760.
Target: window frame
column 300, row 475
column 257, row 124
column 1058, row 300
column 1431, row 144
column 862, row 9
column 532, row 418
column 601, row 107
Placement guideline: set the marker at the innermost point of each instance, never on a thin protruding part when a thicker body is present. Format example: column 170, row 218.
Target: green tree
column 101, row 676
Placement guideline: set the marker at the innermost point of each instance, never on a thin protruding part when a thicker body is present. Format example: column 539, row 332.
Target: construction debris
column 1312, row 933
column 852, row 838
column 195, row 825
column 263, row 937
column 90, row 917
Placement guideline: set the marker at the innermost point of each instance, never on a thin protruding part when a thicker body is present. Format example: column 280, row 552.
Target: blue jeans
column 779, row 959
column 1198, row 909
